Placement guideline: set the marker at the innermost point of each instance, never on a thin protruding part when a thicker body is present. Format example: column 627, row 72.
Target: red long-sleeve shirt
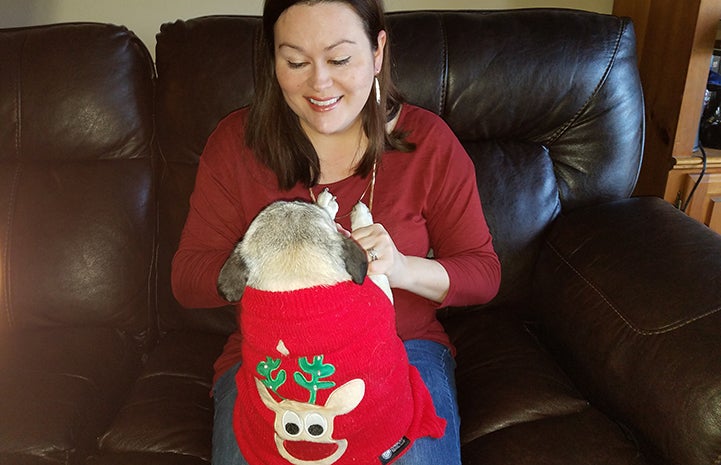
column 426, row 200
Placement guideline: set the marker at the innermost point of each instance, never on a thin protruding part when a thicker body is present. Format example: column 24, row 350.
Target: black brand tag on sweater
column 391, row 454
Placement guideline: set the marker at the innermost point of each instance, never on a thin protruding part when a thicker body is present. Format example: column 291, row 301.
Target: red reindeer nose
column 310, row 451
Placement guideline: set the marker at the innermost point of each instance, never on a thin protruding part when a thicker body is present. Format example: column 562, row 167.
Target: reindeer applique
column 325, row 379
column 304, row 430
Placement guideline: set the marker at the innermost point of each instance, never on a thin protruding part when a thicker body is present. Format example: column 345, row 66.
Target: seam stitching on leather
column 18, row 112
column 13, row 188
column 7, row 246
column 598, row 87
column 445, row 71
column 642, row 332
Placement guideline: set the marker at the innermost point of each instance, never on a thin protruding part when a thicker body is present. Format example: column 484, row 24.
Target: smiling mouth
column 324, row 103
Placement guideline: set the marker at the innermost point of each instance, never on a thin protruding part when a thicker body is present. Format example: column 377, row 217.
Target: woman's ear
column 379, row 51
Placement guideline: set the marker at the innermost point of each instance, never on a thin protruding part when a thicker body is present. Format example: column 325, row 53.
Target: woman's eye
column 341, row 61
column 295, row 64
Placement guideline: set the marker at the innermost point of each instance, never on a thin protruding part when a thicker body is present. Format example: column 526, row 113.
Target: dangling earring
column 378, row 90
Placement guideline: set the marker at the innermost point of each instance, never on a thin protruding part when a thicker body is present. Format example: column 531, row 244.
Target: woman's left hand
column 419, row 275
column 383, row 256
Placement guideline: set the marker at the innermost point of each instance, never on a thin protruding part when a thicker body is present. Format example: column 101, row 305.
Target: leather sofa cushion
column 76, row 179
column 77, row 241
column 60, row 388
column 171, row 401
column 81, row 243
column 140, row 458
column 646, row 352
column 570, row 439
column 70, row 102
column 519, row 396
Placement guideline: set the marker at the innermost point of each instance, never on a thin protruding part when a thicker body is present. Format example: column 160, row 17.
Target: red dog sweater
column 326, row 380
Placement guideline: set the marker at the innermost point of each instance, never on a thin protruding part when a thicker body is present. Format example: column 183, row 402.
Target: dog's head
column 288, row 246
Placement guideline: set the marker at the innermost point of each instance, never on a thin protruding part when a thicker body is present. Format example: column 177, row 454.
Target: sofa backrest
column 205, row 70
column 548, row 104
column 77, row 203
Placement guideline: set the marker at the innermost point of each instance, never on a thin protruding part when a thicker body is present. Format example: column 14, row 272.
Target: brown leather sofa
column 603, row 346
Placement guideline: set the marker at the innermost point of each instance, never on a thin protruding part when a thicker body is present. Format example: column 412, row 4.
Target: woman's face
column 325, row 66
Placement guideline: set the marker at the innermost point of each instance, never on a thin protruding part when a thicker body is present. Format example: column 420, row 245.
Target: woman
column 326, row 115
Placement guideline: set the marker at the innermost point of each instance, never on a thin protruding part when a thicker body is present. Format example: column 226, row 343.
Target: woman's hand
column 383, row 256
column 421, row 276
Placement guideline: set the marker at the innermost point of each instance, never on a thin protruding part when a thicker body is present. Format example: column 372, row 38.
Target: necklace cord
column 371, row 185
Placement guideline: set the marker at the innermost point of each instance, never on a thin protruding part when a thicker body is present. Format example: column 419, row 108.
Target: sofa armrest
column 630, row 300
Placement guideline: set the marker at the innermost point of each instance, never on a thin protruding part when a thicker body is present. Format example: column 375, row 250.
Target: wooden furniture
column 675, row 42
column 705, row 204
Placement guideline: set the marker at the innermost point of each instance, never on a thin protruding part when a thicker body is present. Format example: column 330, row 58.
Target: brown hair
column 273, row 130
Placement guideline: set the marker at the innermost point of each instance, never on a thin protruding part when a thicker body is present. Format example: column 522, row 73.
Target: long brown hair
column 273, row 130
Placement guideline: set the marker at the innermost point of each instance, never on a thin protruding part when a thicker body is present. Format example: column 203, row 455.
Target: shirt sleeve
column 214, row 225
column 459, row 234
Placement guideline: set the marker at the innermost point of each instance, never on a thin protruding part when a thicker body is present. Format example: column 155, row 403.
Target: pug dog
column 294, row 245
column 324, row 378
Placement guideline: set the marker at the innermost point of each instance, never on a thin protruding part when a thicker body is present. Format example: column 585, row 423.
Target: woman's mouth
column 323, row 104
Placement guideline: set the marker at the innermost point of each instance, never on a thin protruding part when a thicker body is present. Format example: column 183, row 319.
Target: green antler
column 266, row 369
column 317, row 371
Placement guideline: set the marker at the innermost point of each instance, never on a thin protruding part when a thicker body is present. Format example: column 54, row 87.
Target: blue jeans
column 436, row 366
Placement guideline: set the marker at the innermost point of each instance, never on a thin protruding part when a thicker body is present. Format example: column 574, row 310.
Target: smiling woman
column 326, row 75
column 318, row 63
column 326, row 115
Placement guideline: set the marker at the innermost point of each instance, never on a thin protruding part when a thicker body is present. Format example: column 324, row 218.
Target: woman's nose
column 320, row 77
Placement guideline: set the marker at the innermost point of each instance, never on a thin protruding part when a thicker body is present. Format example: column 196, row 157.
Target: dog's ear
column 232, row 278
column 356, row 261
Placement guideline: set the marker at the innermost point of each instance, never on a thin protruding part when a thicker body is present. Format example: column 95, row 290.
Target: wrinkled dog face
column 291, row 245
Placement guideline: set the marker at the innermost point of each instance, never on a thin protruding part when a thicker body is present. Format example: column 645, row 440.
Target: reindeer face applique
column 325, row 380
column 304, row 430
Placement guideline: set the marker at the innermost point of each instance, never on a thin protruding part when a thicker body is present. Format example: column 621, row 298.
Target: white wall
column 144, row 17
